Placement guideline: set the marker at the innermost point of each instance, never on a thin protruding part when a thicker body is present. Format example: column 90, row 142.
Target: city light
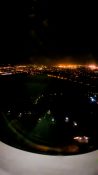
column 33, row 69
column 92, row 99
column 48, row 112
column 92, row 67
column 81, row 139
column 74, row 123
column 67, row 66
column 52, row 120
column 66, row 119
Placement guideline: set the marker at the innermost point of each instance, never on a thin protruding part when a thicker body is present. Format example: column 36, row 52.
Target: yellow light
column 67, row 66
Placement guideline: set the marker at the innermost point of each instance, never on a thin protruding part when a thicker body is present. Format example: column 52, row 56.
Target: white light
column 75, row 124
column 82, row 139
column 92, row 99
column 86, row 137
column 20, row 115
column 52, row 119
column 66, row 119
column 36, row 101
column 49, row 112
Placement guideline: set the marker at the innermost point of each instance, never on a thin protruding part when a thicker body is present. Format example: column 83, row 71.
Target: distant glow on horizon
column 69, row 66
column 75, row 66
column 92, row 66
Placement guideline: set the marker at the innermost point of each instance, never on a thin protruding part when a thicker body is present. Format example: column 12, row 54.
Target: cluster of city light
column 75, row 66
column 54, row 76
column 92, row 99
column 81, row 139
column 92, row 66
column 32, row 69
column 6, row 73
column 68, row 66
column 38, row 98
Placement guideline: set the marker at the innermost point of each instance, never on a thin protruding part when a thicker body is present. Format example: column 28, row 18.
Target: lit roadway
column 17, row 162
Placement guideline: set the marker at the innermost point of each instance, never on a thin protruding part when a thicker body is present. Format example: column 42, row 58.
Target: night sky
column 46, row 31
